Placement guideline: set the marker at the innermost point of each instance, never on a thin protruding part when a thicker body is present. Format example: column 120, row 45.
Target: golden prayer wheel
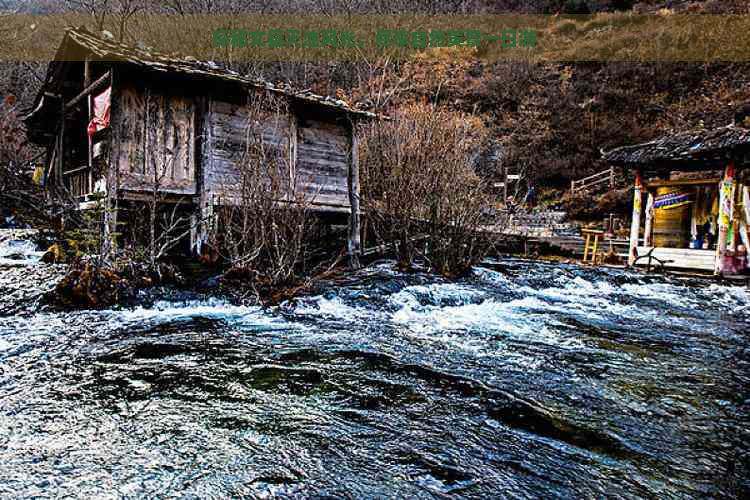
column 671, row 225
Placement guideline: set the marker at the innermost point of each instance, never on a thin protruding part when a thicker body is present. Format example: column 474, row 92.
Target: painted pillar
column 726, row 202
column 636, row 223
column 745, row 220
column 648, row 236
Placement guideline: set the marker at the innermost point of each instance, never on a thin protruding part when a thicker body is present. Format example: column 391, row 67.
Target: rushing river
column 525, row 380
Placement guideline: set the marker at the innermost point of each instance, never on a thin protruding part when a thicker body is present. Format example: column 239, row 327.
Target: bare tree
column 266, row 222
column 419, row 185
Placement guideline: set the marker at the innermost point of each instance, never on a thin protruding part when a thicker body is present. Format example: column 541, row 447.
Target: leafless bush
column 419, row 184
column 266, row 220
column 17, row 189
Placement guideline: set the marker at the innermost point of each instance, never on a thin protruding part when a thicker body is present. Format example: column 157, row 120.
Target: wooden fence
column 78, row 181
column 605, row 176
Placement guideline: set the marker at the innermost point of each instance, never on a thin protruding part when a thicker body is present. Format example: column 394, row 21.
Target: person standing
column 530, row 199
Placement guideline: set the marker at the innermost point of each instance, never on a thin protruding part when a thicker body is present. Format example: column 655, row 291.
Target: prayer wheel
column 671, row 225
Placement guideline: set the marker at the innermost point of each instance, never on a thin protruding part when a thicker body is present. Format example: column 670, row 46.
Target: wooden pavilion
column 697, row 210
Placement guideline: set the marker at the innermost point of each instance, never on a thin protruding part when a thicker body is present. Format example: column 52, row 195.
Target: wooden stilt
column 726, row 199
column 60, row 165
column 354, row 242
column 112, row 180
column 292, row 156
column 90, row 101
column 649, row 228
column 636, row 223
column 505, row 184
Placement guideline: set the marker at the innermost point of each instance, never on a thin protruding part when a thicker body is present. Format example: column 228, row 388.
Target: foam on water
column 541, row 381
column 245, row 318
column 175, row 310
column 326, row 307
column 11, row 250
column 488, row 317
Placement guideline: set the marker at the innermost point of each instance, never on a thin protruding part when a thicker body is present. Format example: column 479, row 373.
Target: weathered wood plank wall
column 229, row 132
column 313, row 151
column 156, row 135
column 322, row 161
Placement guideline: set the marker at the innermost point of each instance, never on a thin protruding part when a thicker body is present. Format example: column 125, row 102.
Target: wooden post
column 649, row 229
column 205, row 145
column 726, row 199
column 354, row 242
column 61, row 152
column 292, row 155
column 611, row 177
column 694, row 213
column 112, row 177
column 505, row 184
column 636, row 223
column 586, row 247
column 90, row 100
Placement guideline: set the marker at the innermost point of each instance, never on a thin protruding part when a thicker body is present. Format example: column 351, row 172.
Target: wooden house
column 111, row 115
column 697, row 211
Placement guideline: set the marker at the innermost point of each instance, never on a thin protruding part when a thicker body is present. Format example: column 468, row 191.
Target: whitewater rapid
column 524, row 380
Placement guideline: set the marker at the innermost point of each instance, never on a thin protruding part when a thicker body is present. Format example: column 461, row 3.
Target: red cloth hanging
column 100, row 119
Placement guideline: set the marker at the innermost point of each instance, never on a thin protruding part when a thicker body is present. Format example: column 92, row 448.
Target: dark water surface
column 526, row 380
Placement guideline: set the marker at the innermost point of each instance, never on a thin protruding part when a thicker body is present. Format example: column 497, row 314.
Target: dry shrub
column 88, row 285
column 263, row 229
column 17, row 191
column 418, row 183
column 593, row 207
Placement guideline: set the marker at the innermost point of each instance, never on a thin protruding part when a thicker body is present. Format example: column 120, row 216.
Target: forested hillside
column 549, row 120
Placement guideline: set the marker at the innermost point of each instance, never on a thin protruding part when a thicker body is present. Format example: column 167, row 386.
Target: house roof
column 701, row 146
column 79, row 43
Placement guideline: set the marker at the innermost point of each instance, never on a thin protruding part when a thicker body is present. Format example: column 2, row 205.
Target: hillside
column 549, row 121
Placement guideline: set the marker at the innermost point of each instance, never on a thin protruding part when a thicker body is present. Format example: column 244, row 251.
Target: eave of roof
column 82, row 40
column 711, row 144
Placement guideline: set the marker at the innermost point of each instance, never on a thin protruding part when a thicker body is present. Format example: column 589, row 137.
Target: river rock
column 22, row 286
